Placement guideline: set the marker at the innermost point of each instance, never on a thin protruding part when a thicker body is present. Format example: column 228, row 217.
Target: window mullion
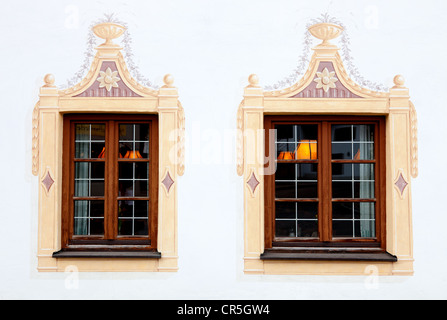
column 110, row 177
column 326, row 181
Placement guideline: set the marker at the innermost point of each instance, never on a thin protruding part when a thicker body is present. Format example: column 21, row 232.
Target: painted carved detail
column 326, row 80
column 401, row 184
column 168, row 182
column 414, row 140
column 35, row 141
column 240, row 140
column 108, row 79
column 181, row 140
column 253, row 182
column 47, row 181
column 108, row 84
column 326, row 84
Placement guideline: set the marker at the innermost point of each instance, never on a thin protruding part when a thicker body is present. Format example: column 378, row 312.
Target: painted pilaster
column 167, row 213
column 253, row 173
column 49, row 174
column 399, row 171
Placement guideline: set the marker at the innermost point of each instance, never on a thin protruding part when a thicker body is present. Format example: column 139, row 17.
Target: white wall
column 211, row 47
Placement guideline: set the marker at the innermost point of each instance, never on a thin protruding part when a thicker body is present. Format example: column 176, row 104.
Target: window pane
column 307, row 190
column 341, row 171
column 285, row 228
column 133, row 179
column 363, row 133
column 90, row 141
column 285, row 210
column 296, row 220
column 133, row 217
column 353, row 181
column 285, row 190
column 89, row 179
column 296, row 142
column 353, row 220
column 353, row 142
column 88, row 218
column 134, row 141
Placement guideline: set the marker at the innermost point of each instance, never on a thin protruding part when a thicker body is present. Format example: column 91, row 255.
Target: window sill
column 341, row 254
column 137, row 254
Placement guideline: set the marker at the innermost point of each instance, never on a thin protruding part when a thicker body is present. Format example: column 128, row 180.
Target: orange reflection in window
column 307, row 150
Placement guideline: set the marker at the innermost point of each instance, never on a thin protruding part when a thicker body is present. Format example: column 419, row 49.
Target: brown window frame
column 311, row 248
column 110, row 244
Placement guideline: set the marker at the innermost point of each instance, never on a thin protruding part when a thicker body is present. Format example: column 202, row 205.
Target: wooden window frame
column 325, row 243
column 116, row 246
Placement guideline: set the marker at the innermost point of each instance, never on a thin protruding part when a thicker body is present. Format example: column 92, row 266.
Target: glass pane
column 307, row 211
column 307, row 229
column 353, row 220
column 285, row 228
column 364, row 190
column 89, row 179
column 363, row 151
column 364, row 171
column 342, row 151
column 133, row 179
column 90, row 141
column 296, row 219
column 363, row 133
column 341, row 171
column 307, row 150
column 133, row 218
column 307, row 190
column 342, row 190
column 353, row 142
column 88, row 218
column 341, row 133
column 298, row 142
column 307, row 171
column 285, row 210
column 285, row 172
column 285, row 133
column 134, row 141
column 285, row 190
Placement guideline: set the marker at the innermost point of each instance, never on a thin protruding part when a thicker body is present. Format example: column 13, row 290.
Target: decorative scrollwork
column 35, row 141
column 240, row 140
column 414, row 140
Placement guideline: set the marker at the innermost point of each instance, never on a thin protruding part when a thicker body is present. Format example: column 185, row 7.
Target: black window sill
column 137, row 254
column 341, row 254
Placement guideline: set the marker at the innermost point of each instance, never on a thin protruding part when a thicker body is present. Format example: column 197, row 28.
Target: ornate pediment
column 108, row 76
column 326, row 76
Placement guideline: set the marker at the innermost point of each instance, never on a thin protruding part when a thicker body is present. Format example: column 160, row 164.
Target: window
column 110, row 174
column 328, row 188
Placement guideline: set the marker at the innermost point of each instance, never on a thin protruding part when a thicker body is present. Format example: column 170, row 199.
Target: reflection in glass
column 297, row 220
column 90, row 141
column 89, row 179
column 353, row 220
column 88, row 218
column 296, row 142
column 134, row 141
column 353, row 142
column 133, row 218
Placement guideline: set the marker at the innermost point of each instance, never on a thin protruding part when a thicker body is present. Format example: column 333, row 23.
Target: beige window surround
column 335, row 95
column 108, row 88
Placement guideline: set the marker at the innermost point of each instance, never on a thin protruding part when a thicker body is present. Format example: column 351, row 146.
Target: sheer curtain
column 367, row 221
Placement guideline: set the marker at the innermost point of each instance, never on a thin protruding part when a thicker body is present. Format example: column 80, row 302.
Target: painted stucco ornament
column 108, row 79
column 326, row 80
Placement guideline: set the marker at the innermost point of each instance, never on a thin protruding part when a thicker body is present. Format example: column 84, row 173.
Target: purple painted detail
column 253, row 182
column 48, row 181
column 168, row 182
column 339, row 92
column 95, row 91
column 401, row 184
